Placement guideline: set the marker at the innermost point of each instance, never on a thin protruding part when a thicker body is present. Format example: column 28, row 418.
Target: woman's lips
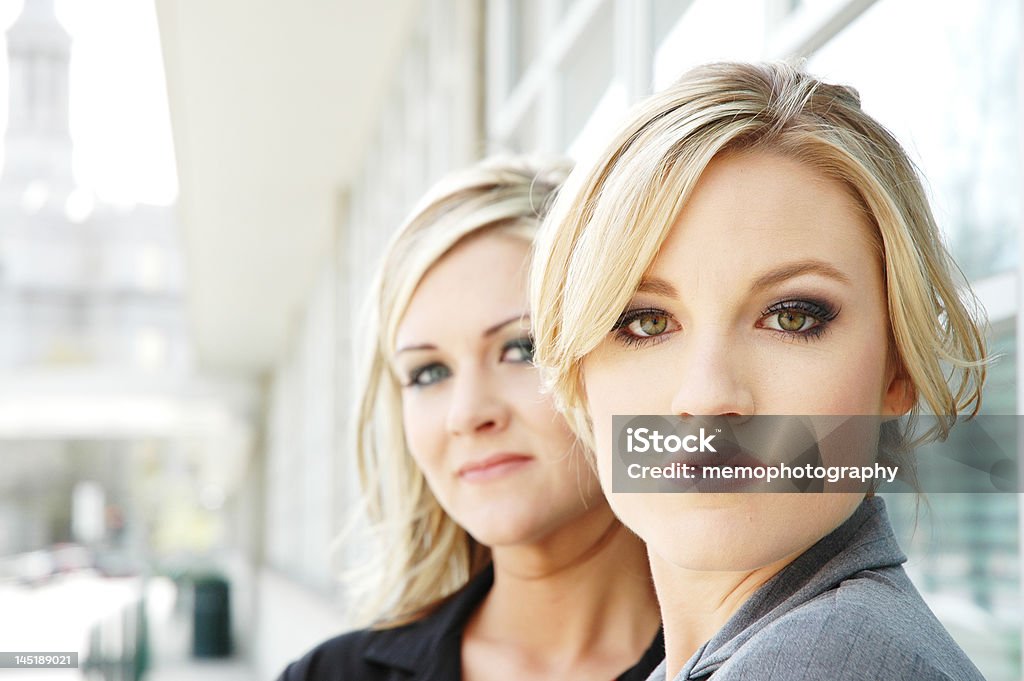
column 729, row 455
column 491, row 467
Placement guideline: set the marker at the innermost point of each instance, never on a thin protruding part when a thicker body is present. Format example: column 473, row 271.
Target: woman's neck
column 696, row 604
column 583, row 592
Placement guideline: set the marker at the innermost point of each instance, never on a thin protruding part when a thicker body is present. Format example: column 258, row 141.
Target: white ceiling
column 271, row 105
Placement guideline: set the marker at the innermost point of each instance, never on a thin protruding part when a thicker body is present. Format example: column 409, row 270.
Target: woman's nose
column 477, row 405
column 711, row 379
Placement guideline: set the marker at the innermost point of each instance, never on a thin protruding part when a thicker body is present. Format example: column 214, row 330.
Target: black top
column 430, row 648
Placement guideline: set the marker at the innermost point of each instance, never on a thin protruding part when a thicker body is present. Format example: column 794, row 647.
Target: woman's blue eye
column 519, row 350
column 428, row 375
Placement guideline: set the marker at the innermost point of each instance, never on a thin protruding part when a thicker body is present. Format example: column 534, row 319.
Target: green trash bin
column 211, row 621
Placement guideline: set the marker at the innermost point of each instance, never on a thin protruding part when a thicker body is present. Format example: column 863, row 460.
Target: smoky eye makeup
column 643, row 325
column 799, row 317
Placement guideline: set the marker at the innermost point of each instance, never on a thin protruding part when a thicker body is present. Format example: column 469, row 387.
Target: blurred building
column 304, row 134
column 84, row 284
column 97, row 388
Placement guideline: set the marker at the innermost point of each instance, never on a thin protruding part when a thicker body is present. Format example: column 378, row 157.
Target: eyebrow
column 796, row 269
column 658, row 287
column 489, row 331
column 661, row 287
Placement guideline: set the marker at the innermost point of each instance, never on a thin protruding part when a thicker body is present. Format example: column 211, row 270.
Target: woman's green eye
column 649, row 324
column 791, row 320
column 638, row 327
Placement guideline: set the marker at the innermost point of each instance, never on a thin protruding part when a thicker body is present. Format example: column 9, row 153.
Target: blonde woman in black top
column 498, row 557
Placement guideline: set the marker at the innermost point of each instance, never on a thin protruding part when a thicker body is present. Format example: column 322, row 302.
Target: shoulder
column 336, row 659
column 425, row 645
column 871, row 626
column 339, row 657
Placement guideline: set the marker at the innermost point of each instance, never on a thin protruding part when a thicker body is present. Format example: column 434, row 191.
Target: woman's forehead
column 473, row 287
column 750, row 194
column 754, row 215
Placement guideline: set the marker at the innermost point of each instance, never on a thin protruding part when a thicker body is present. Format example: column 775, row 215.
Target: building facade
column 97, row 379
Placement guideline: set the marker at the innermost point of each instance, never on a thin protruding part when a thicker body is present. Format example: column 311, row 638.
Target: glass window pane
column 526, row 137
column 710, row 30
column 953, row 100
column 963, row 548
column 527, row 33
column 562, row 7
column 586, row 73
column 664, row 15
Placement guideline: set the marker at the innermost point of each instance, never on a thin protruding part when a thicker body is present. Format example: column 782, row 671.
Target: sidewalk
column 201, row 670
column 58, row 615
column 170, row 634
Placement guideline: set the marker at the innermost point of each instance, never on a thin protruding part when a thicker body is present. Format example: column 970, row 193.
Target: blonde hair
column 615, row 212
column 425, row 555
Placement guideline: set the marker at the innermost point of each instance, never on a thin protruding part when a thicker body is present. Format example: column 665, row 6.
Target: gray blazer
column 843, row 611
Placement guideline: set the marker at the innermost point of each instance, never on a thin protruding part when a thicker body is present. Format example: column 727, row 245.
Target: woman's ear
column 900, row 395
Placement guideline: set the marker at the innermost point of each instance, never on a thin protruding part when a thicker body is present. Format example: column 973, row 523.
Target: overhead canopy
column 271, row 106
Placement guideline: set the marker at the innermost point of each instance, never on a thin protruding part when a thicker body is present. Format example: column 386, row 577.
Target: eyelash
column 820, row 311
column 624, row 336
column 524, row 344
column 414, row 375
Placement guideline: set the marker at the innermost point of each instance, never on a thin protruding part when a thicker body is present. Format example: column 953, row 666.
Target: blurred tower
column 91, row 312
column 82, row 284
column 38, row 141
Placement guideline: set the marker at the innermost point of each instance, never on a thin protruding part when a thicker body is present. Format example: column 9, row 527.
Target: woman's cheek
column 424, row 425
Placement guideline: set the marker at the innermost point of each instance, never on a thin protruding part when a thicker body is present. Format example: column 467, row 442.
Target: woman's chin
column 736, row 532
column 505, row 529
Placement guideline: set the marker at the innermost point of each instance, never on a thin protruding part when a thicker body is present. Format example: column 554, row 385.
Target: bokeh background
column 193, row 197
